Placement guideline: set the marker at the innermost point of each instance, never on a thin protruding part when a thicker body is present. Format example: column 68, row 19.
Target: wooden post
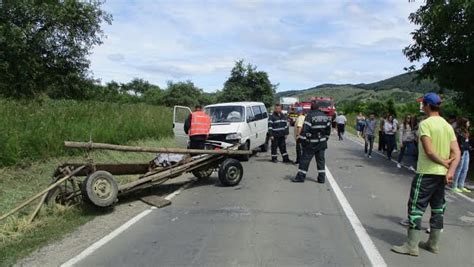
column 90, row 145
column 43, row 192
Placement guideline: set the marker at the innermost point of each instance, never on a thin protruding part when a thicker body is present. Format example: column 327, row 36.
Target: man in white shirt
column 341, row 125
column 298, row 127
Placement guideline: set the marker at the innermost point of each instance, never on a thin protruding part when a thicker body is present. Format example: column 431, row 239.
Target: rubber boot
column 411, row 246
column 432, row 244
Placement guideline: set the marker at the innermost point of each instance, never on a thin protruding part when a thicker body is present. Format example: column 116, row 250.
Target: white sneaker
column 412, row 169
column 370, row 156
column 399, row 165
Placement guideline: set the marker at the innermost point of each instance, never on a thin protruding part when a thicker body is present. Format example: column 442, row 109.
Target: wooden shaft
column 90, row 145
column 42, row 192
column 38, row 207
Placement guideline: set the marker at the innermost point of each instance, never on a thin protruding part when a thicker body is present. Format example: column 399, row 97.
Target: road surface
column 269, row 221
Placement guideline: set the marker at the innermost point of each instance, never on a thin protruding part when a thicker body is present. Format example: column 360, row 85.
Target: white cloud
column 297, row 43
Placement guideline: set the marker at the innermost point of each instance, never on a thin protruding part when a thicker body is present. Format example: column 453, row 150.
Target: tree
column 182, row 94
column 445, row 38
column 44, row 46
column 247, row 84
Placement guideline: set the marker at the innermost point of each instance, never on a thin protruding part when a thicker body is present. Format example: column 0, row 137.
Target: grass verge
column 33, row 130
column 17, row 237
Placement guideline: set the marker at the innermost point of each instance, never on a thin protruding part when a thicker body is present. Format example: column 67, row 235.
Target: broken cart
column 96, row 183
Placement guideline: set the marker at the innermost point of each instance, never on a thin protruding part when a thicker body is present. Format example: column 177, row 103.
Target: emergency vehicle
column 326, row 105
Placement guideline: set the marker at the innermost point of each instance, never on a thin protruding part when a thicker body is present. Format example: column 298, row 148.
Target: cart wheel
column 231, row 172
column 100, row 188
column 59, row 195
column 202, row 174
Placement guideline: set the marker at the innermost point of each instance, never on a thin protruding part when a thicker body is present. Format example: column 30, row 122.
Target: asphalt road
column 269, row 221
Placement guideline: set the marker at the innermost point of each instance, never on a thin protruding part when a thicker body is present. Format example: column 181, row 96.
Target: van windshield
column 226, row 114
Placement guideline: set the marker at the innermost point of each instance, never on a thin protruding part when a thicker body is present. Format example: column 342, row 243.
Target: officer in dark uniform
column 278, row 131
column 314, row 137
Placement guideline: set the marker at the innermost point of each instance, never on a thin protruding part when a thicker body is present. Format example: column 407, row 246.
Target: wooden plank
column 90, row 145
column 38, row 207
column 42, row 192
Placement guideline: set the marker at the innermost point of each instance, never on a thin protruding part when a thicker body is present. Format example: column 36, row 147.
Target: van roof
column 236, row 104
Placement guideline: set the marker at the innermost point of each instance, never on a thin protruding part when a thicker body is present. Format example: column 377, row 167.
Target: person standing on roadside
column 315, row 134
column 439, row 156
column 407, row 141
column 389, row 131
column 360, row 124
column 341, row 125
column 369, row 134
column 382, row 145
column 298, row 128
column 197, row 126
column 278, row 131
column 463, row 134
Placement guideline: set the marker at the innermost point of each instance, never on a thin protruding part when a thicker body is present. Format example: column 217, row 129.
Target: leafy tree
column 44, row 46
column 247, row 84
column 445, row 39
column 182, row 93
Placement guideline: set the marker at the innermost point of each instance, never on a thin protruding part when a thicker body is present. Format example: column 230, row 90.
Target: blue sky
column 299, row 43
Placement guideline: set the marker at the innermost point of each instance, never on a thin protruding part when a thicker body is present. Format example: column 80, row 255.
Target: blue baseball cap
column 432, row 99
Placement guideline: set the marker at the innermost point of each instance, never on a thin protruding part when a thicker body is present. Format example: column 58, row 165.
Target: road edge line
column 368, row 245
column 104, row 240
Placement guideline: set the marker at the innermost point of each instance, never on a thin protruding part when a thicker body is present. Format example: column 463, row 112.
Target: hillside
column 400, row 88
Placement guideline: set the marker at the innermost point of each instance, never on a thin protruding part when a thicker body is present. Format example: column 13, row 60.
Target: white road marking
column 406, row 167
column 368, row 245
column 91, row 249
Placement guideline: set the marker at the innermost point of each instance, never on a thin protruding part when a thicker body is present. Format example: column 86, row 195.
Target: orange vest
column 200, row 123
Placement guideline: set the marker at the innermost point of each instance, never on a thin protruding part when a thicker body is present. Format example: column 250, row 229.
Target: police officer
column 278, row 131
column 314, row 136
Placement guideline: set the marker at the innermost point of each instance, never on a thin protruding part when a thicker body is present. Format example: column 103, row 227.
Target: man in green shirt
column 439, row 156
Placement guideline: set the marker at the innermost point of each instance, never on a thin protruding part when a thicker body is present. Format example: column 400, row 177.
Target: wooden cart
column 96, row 183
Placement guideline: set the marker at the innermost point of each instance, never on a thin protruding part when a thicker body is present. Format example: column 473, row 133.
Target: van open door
column 180, row 114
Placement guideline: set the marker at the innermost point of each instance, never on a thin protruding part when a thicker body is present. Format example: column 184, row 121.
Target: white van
column 237, row 122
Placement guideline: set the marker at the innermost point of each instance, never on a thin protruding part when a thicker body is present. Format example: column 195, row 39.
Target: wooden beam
column 90, row 145
column 42, row 192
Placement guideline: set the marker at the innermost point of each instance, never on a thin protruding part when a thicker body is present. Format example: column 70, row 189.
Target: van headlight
column 233, row 136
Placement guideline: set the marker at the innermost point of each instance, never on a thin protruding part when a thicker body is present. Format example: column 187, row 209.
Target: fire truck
column 326, row 105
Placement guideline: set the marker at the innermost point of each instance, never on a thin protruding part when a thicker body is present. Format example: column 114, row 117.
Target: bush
column 36, row 130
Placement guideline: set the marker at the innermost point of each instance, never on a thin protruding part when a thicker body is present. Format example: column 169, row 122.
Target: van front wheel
column 246, row 146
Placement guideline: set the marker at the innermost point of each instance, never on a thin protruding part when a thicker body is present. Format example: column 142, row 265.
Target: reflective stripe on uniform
column 307, row 123
column 318, row 140
column 278, row 129
column 318, row 127
column 278, row 121
column 284, row 154
column 304, row 172
column 321, row 171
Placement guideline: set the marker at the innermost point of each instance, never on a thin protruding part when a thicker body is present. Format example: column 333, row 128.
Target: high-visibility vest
column 200, row 123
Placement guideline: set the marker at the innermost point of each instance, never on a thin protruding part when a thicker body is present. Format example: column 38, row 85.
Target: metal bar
column 90, row 145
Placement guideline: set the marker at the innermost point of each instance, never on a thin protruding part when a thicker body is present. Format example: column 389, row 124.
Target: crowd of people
column 407, row 134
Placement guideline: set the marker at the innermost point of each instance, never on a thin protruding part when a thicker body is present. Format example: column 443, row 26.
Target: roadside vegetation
column 35, row 130
column 18, row 238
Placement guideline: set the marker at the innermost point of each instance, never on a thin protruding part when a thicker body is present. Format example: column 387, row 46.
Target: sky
column 299, row 44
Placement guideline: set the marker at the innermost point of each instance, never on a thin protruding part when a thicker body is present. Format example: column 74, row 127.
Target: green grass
column 17, row 237
column 33, row 130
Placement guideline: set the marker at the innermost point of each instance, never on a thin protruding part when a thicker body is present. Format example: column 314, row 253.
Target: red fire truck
column 326, row 105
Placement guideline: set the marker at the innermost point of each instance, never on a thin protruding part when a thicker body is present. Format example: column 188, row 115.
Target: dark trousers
column 391, row 143
column 369, row 144
column 427, row 189
column 196, row 143
column 279, row 142
column 341, row 128
column 409, row 148
column 382, row 144
column 308, row 154
column 299, row 151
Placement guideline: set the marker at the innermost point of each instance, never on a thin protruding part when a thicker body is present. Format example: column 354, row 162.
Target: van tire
column 246, row 146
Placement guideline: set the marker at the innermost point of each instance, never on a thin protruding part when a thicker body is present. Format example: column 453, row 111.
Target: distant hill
column 400, row 88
